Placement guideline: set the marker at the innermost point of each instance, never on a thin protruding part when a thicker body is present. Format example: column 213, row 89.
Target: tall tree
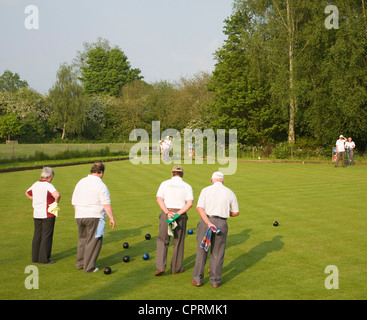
column 240, row 81
column 282, row 53
column 68, row 102
column 105, row 70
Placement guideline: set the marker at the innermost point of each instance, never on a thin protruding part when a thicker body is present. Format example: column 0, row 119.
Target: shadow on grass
column 142, row 275
column 247, row 260
column 232, row 240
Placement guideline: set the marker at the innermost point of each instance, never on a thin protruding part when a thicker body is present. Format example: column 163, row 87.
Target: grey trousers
column 163, row 241
column 217, row 250
column 350, row 156
column 340, row 154
column 88, row 246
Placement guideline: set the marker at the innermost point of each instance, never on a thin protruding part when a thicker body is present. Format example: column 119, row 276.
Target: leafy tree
column 10, row 81
column 105, row 70
column 24, row 102
column 95, row 119
column 282, row 71
column 126, row 113
column 190, row 100
column 35, row 130
column 240, row 83
column 10, row 125
column 68, row 102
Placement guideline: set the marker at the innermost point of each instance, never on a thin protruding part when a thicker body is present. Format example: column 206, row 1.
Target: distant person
column 174, row 196
column 340, row 149
column 215, row 205
column 349, row 146
column 167, row 149
column 91, row 201
column 162, row 147
column 43, row 194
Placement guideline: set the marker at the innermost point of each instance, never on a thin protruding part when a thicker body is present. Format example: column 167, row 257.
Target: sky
column 165, row 39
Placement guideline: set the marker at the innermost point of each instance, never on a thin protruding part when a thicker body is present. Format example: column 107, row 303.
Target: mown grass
column 320, row 209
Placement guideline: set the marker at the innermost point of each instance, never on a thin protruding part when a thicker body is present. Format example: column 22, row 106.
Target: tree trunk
column 63, row 132
column 292, row 97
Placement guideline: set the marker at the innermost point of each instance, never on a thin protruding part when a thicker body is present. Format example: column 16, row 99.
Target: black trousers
column 42, row 239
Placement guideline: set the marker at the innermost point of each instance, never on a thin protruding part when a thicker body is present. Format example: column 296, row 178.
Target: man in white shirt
column 350, row 145
column 215, row 205
column 43, row 193
column 174, row 196
column 340, row 149
column 91, row 201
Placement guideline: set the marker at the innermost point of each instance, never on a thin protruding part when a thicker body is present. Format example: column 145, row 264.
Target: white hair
column 47, row 172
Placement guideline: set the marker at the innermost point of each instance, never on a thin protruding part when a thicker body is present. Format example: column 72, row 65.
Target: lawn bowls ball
column 275, row 223
column 190, row 231
column 106, row 270
column 125, row 245
column 146, row 256
column 148, row 236
column 126, row 259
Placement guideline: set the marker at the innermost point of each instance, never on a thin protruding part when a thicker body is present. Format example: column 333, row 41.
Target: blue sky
column 166, row 39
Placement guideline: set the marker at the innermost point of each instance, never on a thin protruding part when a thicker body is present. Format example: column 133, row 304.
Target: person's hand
column 211, row 225
column 112, row 223
column 170, row 214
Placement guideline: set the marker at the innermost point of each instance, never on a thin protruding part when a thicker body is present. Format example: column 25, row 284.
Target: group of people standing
column 345, row 145
column 92, row 205
column 91, row 201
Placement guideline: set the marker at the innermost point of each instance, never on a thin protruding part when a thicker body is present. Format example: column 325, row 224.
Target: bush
column 283, row 150
column 39, row 156
column 75, row 154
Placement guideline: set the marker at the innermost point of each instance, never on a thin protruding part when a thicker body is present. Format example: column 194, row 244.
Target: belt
column 217, row 217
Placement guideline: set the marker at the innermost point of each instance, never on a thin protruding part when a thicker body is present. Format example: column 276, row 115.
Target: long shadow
column 64, row 254
column 232, row 240
column 237, row 239
column 119, row 235
column 142, row 275
column 247, row 260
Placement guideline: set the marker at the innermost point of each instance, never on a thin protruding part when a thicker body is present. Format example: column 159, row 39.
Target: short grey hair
column 47, row 172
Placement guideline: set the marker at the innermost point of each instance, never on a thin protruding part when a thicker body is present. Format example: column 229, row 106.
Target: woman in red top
column 43, row 193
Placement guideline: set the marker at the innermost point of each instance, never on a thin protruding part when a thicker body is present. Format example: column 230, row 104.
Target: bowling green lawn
column 322, row 218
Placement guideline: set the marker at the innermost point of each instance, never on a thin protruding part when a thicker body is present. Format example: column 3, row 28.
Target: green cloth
column 170, row 220
column 172, row 224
